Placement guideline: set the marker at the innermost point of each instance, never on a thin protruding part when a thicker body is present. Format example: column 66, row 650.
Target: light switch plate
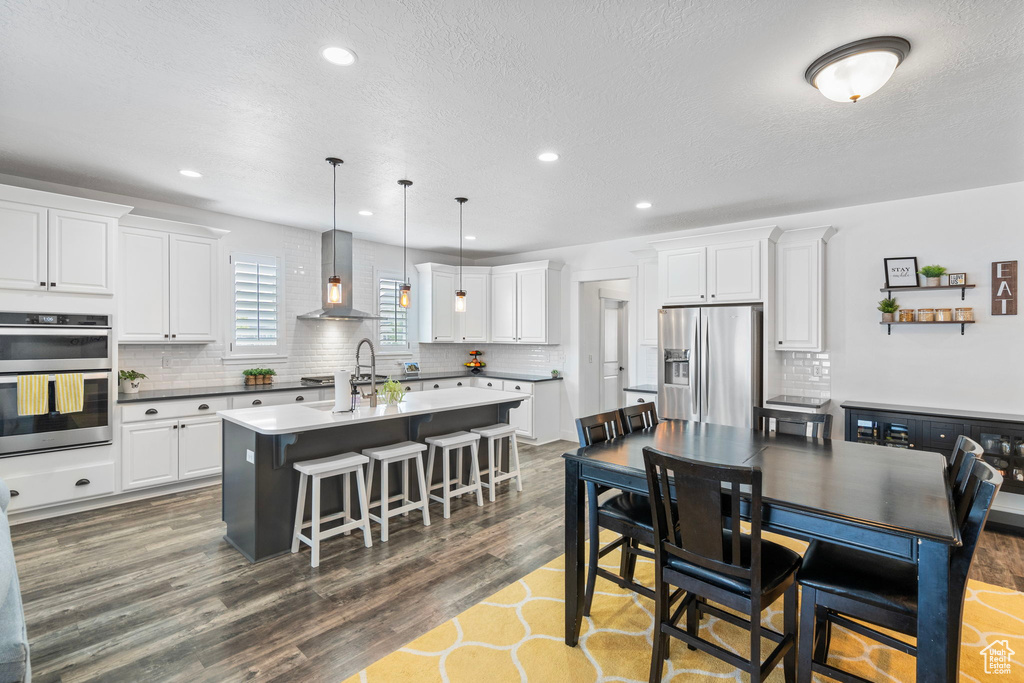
column 165, row 361
column 250, row 456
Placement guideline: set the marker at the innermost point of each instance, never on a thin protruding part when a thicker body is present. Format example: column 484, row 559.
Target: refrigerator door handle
column 705, row 384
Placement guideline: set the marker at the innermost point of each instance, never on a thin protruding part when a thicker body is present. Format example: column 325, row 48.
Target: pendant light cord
column 405, row 232
column 334, row 233
column 460, row 245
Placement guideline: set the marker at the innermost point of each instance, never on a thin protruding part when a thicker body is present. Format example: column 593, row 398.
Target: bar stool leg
column 405, row 486
column 315, row 537
column 431, row 448
column 300, row 509
column 364, row 507
column 514, row 461
column 474, row 466
column 492, row 444
column 424, row 498
column 446, row 454
column 458, row 471
column 346, row 497
column 384, row 495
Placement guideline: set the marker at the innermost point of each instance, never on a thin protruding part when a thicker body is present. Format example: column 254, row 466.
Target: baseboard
column 36, row 514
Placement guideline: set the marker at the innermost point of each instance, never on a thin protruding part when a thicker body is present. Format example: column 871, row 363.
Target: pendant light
column 334, row 282
column 853, row 71
column 460, row 296
column 404, row 298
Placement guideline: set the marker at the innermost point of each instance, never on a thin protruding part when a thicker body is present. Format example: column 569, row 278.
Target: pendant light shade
column 858, row 69
column 334, row 282
column 404, row 296
column 460, row 295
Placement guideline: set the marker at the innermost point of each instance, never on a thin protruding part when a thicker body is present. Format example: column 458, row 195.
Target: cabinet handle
column 82, row 482
column 459, row 384
column 408, row 388
column 14, row 492
column 518, row 387
column 489, row 384
column 53, row 284
column 174, row 427
column 151, row 411
column 257, row 402
column 701, row 296
column 640, row 400
column 942, row 436
column 437, row 386
column 300, row 398
column 42, row 284
column 911, row 445
column 712, row 296
column 174, row 336
column 167, row 336
column 203, row 406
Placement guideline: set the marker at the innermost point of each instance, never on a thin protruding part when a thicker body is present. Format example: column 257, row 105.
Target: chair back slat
column 688, row 498
column 817, row 425
column 980, row 489
column 599, row 428
column 960, row 463
column 638, row 416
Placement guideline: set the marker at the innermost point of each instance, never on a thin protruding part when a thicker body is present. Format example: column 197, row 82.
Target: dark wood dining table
column 888, row 501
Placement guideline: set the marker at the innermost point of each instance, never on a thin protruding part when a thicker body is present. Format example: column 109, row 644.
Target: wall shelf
column 961, row 323
column 963, row 289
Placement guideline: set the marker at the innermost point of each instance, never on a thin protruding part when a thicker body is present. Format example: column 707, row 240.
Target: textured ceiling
column 698, row 107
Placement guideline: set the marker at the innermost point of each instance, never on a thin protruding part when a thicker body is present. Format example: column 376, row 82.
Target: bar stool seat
column 453, row 445
column 496, row 435
column 403, row 452
column 342, row 465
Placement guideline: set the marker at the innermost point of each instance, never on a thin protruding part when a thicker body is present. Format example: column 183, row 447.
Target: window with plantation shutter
column 394, row 322
column 257, row 318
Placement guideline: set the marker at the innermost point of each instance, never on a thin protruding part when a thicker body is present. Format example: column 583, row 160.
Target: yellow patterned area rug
column 516, row 635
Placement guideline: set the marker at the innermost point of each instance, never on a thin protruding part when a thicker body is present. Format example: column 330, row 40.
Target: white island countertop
column 293, row 418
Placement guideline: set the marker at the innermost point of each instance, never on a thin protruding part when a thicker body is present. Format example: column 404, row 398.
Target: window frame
column 405, row 349
column 266, row 354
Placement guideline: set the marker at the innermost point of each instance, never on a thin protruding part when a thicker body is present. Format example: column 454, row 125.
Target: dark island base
column 259, row 494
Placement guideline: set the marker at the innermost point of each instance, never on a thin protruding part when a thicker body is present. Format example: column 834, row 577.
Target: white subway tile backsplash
column 798, row 378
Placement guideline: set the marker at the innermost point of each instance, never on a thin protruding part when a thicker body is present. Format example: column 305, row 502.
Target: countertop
column 294, row 418
column 236, row 389
column 933, row 412
column 798, row 402
column 643, row 388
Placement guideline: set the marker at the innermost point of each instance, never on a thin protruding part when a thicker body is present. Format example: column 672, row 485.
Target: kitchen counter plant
column 259, row 375
column 888, row 307
column 130, row 381
column 391, row 393
column 932, row 275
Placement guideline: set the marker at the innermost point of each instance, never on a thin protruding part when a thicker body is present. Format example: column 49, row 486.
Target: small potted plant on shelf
column 932, row 275
column 130, row 381
column 888, row 307
column 555, row 374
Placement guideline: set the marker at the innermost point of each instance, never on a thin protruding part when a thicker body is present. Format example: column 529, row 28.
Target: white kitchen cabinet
column 436, row 302
column 279, row 398
column 149, row 453
column 412, row 386
column 682, row 274
column 537, row 418
column 80, row 252
column 635, row 397
column 800, row 289
column 503, row 307
column 487, row 383
column 199, row 447
column 529, row 313
column 734, row 272
column 647, row 296
column 23, row 259
column 167, row 287
column 473, row 325
column 450, row 383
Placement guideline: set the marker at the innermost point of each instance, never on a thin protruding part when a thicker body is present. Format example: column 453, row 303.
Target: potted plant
column 250, row 376
column 932, row 275
column 555, row 374
column 268, row 375
column 888, row 307
column 131, row 380
column 391, row 393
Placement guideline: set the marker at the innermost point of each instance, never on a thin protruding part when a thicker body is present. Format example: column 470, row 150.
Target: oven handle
column 55, row 331
column 11, row 379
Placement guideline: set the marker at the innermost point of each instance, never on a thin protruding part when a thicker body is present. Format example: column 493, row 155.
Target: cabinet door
column 199, row 447
column 1004, row 450
column 23, row 256
column 149, row 454
column 682, row 276
column 734, row 272
column 442, row 306
column 522, row 417
column 883, row 430
column 193, row 289
column 798, row 286
column 143, row 287
column 503, row 308
column 648, row 297
column 532, row 306
column 81, row 250
column 473, row 323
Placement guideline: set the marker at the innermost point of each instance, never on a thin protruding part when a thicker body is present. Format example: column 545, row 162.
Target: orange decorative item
column 476, row 363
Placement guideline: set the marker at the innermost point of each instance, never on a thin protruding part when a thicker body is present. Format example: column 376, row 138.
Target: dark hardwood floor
column 149, row 591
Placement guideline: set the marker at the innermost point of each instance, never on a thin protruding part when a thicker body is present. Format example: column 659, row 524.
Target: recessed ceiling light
column 858, row 69
column 366, row 213
column 643, row 205
column 547, row 156
column 190, row 174
column 470, row 237
column 339, row 56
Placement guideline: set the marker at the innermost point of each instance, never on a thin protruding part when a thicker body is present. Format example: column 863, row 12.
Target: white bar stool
column 386, row 455
column 451, row 445
column 322, row 468
column 495, row 434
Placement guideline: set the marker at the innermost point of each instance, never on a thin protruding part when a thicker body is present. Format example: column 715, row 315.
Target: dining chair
column 627, row 514
column 791, row 422
column 700, row 548
column 842, row 584
column 638, row 416
column 960, row 462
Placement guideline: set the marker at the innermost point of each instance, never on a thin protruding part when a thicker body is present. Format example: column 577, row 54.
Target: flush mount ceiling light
column 365, row 213
column 643, row 205
column 339, row 56
column 858, row 69
column 334, row 282
column 547, row 156
column 190, row 174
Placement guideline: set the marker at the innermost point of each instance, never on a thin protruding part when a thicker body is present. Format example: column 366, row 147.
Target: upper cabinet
column 168, row 282
column 734, row 272
column 800, row 289
column 474, row 325
column 56, row 243
column 436, row 302
column 647, row 295
column 682, row 274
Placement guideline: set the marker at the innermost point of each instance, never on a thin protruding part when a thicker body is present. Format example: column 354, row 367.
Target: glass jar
column 906, row 315
column 944, row 315
column 926, row 315
column 963, row 314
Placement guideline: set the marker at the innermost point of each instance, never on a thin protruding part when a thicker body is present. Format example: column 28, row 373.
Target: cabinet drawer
column 942, row 435
column 275, row 398
column 164, row 410
column 633, row 397
column 518, row 387
column 60, row 486
column 413, row 386
column 445, row 383
column 485, row 383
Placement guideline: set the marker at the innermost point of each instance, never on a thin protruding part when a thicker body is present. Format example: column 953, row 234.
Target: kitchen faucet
column 373, row 370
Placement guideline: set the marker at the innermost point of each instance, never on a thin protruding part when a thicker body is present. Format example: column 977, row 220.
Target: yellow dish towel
column 33, row 395
column 70, row 391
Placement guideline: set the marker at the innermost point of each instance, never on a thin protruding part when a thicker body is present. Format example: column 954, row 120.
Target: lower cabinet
column 640, row 397
column 199, row 447
column 149, row 453
column 45, row 479
column 537, row 417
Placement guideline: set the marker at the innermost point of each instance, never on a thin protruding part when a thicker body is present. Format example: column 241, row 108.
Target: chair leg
column 808, row 615
column 446, row 456
column 423, row 490
column 346, row 498
column 364, row 508
column 791, row 627
column 493, row 443
column 624, row 557
column 405, row 486
column 384, row 502
column 755, row 641
column 515, row 461
column 595, row 547
column 659, row 652
column 300, row 510
column 315, row 536
column 474, row 466
column 692, row 622
column 822, row 634
column 631, row 561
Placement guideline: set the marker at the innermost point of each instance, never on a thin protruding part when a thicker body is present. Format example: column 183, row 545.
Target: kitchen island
column 261, row 444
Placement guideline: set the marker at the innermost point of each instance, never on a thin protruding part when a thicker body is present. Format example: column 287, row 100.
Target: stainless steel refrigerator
column 709, row 363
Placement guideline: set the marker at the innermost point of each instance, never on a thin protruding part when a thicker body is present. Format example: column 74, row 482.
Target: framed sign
column 957, row 279
column 1004, row 288
column 901, row 272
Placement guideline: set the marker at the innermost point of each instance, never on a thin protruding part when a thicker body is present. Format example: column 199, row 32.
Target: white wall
column 964, row 231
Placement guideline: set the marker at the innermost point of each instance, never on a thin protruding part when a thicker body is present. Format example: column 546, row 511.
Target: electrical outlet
column 165, row 361
column 816, row 370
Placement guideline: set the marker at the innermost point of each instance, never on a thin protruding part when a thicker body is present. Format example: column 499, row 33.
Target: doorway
column 604, row 344
column 612, row 350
